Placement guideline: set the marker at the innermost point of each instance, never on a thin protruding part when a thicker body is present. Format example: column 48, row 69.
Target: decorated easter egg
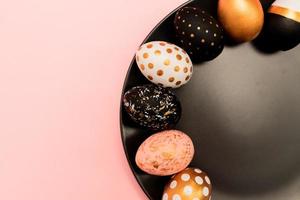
column 283, row 24
column 164, row 64
column 165, row 153
column 190, row 184
column 266, row 4
column 199, row 33
column 153, row 107
column 241, row 19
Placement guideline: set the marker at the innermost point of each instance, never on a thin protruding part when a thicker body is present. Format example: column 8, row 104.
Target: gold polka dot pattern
column 198, row 33
column 190, row 184
column 164, row 63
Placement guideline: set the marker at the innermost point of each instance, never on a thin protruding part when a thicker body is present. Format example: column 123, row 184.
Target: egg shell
column 152, row 106
column 283, row 24
column 190, row 184
column 199, row 33
column 164, row 64
column 242, row 19
column 165, row 153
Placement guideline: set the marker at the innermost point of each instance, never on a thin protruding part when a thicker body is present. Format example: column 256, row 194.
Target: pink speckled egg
column 165, row 153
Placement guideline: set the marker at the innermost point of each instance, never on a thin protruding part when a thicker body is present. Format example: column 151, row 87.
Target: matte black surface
column 242, row 111
column 282, row 31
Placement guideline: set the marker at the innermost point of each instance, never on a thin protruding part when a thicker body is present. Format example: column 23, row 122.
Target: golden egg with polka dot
column 164, row 64
column 189, row 184
column 199, row 33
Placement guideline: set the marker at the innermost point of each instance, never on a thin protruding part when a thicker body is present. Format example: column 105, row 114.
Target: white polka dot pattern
column 176, row 197
column 205, row 191
column 189, row 184
column 207, row 180
column 165, row 196
column 173, row 184
column 185, row 177
column 199, row 180
column 164, row 64
column 188, row 190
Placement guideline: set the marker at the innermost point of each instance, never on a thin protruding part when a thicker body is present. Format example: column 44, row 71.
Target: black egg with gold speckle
column 152, row 106
column 199, row 33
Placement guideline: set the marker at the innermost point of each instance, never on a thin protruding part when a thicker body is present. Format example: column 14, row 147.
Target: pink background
column 62, row 66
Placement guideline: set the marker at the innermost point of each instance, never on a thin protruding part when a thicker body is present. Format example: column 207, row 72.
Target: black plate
column 242, row 111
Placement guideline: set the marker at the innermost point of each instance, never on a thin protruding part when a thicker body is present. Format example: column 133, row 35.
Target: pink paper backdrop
column 62, row 66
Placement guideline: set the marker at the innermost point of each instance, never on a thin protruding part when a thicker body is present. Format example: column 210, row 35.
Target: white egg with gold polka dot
column 189, row 184
column 164, row 64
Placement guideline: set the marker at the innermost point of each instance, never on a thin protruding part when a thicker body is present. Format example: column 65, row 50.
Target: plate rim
column 122, row 131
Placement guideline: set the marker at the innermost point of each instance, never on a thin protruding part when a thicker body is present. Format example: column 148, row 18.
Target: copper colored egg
column 190, row 184
column 241, row 19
